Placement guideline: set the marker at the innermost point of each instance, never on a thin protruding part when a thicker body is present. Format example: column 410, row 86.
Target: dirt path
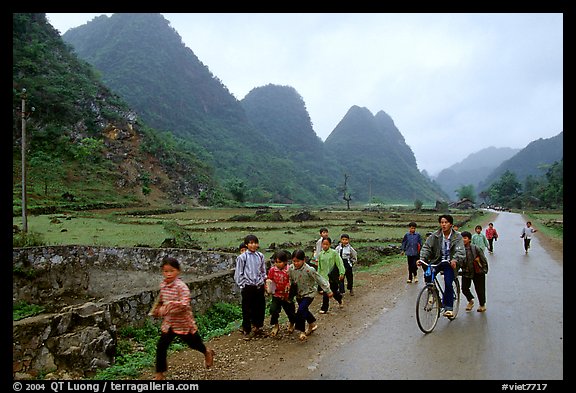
column 284, row 356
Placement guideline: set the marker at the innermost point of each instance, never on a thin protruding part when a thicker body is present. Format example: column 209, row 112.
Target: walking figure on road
column 479, row 238
column 526, row 234
column 411, row 245
column 474, row 270
column 492, row 236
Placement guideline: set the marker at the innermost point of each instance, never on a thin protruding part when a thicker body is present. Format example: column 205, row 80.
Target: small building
column 463, row 203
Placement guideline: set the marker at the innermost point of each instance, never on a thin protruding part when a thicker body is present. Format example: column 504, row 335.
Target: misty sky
column 453, row 83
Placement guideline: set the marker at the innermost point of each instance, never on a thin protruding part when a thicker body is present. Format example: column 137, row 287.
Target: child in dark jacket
column 474, row 270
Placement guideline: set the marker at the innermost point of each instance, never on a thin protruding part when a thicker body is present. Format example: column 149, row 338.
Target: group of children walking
column 293, row 287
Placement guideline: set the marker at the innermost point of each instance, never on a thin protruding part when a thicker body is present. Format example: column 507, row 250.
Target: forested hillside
column 85, row 146
column 376, row 158
column 280, row 114
column 534, row 160
column 252, row 146
column 172, row 90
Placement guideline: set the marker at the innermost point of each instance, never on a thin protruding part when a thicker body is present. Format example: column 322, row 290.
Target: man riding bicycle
column 445, row 244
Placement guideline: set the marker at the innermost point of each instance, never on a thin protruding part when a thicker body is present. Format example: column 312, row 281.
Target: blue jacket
column 410, row 243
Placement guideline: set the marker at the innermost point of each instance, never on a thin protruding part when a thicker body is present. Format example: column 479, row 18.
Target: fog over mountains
column 170, row 129
column 265, row 134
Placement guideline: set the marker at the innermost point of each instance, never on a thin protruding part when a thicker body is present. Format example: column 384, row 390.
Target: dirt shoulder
column 260, row 358
column 286, row 358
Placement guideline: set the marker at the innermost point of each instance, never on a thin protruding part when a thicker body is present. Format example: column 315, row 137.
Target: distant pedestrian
column 349, row 258
column 411, row 245
column 305, row 279
column 479, row 238
column 250, row 275
column 278, row 274
column 492, row 236
column 526, row 234
column 177, row 318
column 474, row 270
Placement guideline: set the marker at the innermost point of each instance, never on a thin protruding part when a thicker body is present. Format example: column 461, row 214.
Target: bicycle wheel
column 427, row 309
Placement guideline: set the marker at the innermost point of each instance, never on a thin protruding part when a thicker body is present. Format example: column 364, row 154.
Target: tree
column 238, row 189
column 418, row 204
column 89, row 149
column 506, row 190
column 346, row 195
column 466, row 192
column 46, row 168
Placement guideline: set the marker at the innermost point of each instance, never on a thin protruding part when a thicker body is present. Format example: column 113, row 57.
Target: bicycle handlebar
column 434, row 265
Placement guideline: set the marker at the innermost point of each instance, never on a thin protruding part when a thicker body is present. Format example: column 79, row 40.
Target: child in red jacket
column 278, row 279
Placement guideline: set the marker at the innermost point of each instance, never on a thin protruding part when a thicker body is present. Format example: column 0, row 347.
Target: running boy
column 177, row 318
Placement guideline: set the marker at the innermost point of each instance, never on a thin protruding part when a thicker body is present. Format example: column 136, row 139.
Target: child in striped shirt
column 177, row 319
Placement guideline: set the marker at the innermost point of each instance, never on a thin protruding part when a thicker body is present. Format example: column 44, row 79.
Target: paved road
column 520, row 337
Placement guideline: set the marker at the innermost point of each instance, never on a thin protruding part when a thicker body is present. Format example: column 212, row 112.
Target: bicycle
column 428, row 303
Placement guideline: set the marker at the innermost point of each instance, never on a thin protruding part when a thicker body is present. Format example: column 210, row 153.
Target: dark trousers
column 348, row 276
column 479, row 281
column 334, row 287
column 448, row 300
column 253, row 307
column 491, row 245
column 526, row 244
column 277, row 305
column 303, row 314
column 194, row 341
column 412, row 267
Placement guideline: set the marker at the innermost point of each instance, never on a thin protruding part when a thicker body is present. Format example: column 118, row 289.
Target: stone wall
column 90, row 292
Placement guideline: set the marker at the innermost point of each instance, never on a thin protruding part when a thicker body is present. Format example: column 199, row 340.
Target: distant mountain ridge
column 144, row 59
column 473, row 169
column 533, row 160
